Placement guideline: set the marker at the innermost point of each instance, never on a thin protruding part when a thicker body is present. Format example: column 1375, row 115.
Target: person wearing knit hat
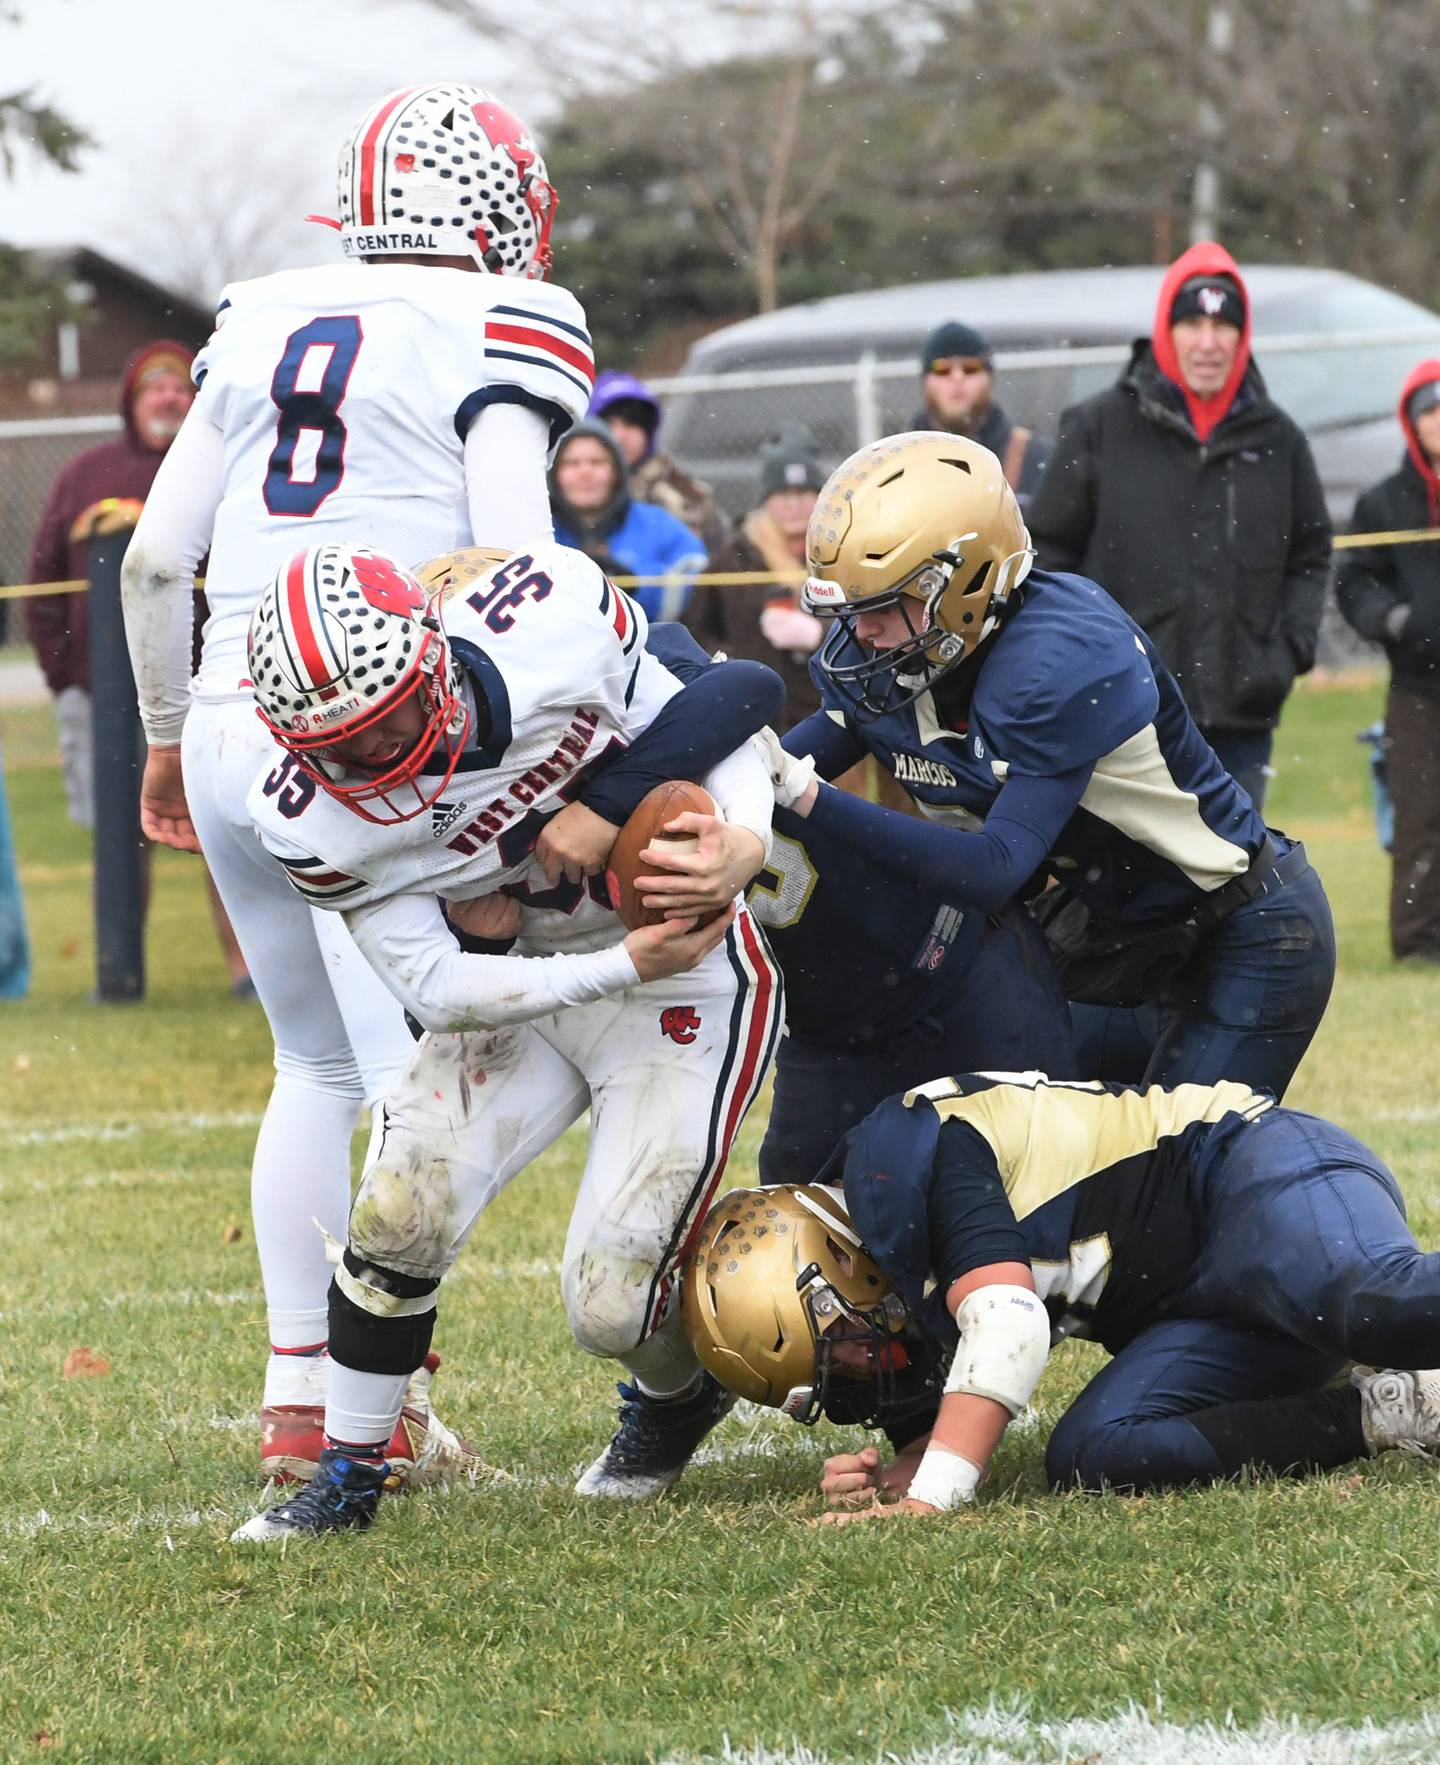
column 1194, row 499
column 632, row 413
column 957, row 383
column 1391, row 595
column 764, row 621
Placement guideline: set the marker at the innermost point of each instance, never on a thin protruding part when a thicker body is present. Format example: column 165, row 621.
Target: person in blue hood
column 594, row 512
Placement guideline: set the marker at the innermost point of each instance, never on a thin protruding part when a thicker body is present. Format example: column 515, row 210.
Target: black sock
column 1312, row 1431
column 368, row 1452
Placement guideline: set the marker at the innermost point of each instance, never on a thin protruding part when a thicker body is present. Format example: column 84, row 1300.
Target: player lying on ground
column 1232, row 1256
column 404, row 399
column 994, row 690
column 422, row 766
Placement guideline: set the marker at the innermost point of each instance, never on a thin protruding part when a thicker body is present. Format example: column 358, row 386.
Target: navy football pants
column 1245, row 1007
column 1308, row 1264
column 1004, row 1013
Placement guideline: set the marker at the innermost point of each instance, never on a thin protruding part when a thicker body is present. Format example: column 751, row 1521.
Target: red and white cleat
column 423, row 1452
column 292, row 1416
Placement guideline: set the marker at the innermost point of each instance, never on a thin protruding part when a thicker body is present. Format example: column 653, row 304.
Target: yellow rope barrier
column 712, row 579
column 748, row 578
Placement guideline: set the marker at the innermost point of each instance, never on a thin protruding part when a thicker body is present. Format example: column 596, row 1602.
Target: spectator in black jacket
column 1391, row 594
column 1195, row 500
column 957, row 382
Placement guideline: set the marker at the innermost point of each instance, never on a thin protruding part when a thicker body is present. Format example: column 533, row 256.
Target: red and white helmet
column 340, row 638
column 446, row 171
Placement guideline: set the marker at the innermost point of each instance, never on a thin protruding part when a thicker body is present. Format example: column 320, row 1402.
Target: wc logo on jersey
column 680, row 1023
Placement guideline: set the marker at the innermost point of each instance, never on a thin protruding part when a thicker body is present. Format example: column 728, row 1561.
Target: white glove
column 790, row 777
column 791, row 628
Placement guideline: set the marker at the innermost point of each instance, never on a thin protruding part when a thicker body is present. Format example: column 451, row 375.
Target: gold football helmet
column 455, row 573
column 780, row 1302
column 926, row 522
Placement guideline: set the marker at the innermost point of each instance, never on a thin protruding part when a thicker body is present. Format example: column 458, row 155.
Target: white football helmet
column 446, row 171
column 340, row 638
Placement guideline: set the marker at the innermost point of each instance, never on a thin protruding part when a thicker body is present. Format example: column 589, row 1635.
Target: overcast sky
column 199, row 106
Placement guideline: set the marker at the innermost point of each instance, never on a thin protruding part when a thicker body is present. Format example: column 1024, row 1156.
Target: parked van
column 1334, row 351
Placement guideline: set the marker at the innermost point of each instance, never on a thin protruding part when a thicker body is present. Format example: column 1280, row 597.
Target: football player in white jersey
column 422, row 763
column 404, row 398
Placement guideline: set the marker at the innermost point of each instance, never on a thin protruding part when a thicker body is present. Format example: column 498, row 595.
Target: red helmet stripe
column 367, row 153
column 302, row 626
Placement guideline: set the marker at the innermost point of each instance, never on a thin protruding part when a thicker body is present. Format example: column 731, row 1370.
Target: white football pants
column 340, row 1036
column 667, row 1071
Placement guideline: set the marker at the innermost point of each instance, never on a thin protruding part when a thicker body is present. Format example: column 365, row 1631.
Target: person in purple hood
column 632, row 413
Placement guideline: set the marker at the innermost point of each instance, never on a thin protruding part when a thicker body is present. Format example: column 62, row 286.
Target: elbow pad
column 1004, row 1344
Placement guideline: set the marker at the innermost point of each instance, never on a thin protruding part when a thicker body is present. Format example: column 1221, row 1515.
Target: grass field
column 508, row 1622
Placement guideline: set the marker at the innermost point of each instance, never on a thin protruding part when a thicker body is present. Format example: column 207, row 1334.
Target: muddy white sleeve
column 406, row 941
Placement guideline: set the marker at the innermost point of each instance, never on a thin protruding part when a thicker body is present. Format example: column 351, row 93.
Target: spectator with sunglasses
column 958, row 384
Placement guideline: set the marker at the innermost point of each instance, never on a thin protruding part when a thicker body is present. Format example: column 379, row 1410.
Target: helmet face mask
column 341, row 639
column 858, row 1355
column 925, row 522
column 878, row 681
column 783, row 1305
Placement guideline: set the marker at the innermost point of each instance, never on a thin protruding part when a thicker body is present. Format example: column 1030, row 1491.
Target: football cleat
column 655, row 1441
column 1399, row 1409
column 343, row 1493
column 292, row 1416
column 423, row 1452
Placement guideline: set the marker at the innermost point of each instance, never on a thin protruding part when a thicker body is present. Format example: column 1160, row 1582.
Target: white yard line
column 195, row 1124
column 1012, row 1735
column 190, row 1298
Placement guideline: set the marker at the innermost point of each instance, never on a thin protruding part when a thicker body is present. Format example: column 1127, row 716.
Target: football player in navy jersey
column 1041, row 735
column 886, row 982
column 1233, row 1256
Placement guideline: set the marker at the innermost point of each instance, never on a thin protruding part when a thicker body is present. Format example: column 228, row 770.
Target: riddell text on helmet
column 362, row 244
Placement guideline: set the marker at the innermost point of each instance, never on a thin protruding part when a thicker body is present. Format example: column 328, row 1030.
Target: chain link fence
column 716, row 425
column 33, row 453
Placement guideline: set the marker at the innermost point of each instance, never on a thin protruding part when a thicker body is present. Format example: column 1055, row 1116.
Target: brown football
column 645, row 825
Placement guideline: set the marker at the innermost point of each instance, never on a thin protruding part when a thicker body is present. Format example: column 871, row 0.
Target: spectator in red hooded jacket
column 1391, row 594
column 1194, row 499
column 155, row 394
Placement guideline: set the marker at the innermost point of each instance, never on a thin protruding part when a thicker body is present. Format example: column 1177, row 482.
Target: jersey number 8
column 316, row 410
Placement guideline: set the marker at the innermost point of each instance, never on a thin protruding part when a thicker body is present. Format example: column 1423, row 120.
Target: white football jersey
column 344, row 394
column 559, row 657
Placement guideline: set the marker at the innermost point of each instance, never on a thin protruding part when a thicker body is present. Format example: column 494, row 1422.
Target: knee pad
column 396, row 1223
column 606, row 1299
column 380, row 1320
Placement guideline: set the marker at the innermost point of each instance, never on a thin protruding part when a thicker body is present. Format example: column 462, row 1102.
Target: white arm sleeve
column 406, row 941
column 158, row 576
column 742, row 789
column 505, row 453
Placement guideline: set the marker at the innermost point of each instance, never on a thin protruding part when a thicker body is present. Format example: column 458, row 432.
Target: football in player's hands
column 646, row 827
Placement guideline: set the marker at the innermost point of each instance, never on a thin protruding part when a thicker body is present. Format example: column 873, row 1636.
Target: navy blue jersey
column 862, row 953
column 1076, row 721
column 1099, row 1188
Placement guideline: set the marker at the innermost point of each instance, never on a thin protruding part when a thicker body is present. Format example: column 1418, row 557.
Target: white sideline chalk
column 1014, row 1735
